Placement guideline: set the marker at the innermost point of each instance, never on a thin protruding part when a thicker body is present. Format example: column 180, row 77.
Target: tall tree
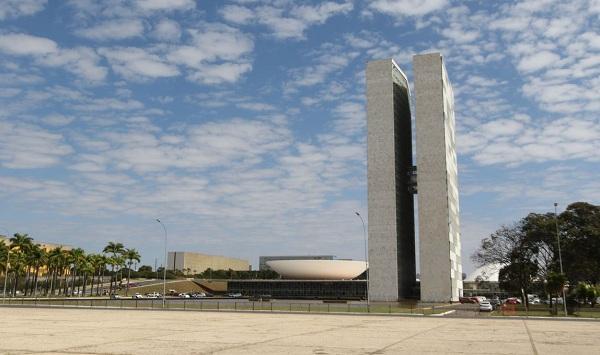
column 115, row 249
column 131, row 255
column 21, row 243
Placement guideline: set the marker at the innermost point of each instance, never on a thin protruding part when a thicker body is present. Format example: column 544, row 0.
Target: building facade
column 193, row 263
column 262, row 260
column 392, row 273
column 437, row 181
column 392, row 181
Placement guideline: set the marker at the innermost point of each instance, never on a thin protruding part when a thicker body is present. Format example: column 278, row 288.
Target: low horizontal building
column 301, row 289
column 262, row 260
column 188, row 262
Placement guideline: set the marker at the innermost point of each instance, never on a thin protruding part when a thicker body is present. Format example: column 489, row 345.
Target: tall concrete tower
column 391, row 212
column 391, row 182
column 437, row 180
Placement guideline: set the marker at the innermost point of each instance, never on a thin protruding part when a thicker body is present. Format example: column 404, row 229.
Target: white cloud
column 537, row 61
column 329, row 60
column 24, row 44
column 26, row 146
column 521, row 140
column 237, row 14
column 56, row 120
column 167, row 30
column 215, row 54
column 17, row 8
column 165, row 5
column 113, row 30
column 256, row 106
column 81, row 61
column 136, row 63
column 211, row 43
column 286, row 22
column 219, row 73
column 401, row 8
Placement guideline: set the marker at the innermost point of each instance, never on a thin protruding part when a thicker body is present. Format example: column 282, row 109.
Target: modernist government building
column 394, row 179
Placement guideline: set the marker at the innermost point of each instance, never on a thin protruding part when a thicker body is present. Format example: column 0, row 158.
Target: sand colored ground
column 94, row 331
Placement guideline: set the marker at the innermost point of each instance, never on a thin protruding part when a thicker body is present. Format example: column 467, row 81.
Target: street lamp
column 366, row 253
column 560, row 257
column 165, row 267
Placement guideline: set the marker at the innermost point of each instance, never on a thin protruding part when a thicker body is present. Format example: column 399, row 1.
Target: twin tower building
column 394, row 179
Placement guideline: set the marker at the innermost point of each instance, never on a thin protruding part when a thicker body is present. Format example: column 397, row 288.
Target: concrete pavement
column 94, row 331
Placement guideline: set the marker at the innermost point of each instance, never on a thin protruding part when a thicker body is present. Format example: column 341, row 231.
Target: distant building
column 484, row 282
column 262, row 260
column 188, row 262
column 47, row 247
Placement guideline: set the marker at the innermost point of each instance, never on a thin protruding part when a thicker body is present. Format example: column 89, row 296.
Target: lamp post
column 165, row 267
column 366, row 253
column 560, row 256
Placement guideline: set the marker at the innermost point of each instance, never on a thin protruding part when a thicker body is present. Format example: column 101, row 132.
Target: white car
column 485, row 306
column 184, row 295
column 137, row 296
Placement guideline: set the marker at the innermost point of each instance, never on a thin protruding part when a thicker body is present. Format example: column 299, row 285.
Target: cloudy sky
column 241, row 124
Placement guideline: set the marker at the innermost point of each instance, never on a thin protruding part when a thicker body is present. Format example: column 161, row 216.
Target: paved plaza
column 94, row 331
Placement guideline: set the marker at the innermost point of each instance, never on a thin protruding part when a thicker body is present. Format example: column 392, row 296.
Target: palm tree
column 86, row 267
column 76, row 257
column 54, row 264
column 130, row 255
column 4, row 250
column 38, row 257
column 115, row 249
column 102, row 262
column 93, row 260
column 21, row 243
column 3, row 258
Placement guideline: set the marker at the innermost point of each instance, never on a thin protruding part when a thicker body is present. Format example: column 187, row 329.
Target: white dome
column 488, row 272
column 318, row 269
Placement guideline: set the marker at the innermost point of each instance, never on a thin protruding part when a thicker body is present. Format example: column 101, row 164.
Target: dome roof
column 318, row 269
column 490, row 272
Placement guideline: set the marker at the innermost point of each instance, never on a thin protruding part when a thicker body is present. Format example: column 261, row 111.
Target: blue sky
column 241, row 124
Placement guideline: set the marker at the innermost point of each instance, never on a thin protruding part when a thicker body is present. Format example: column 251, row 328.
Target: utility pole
column 366, row 254
column 560, row 256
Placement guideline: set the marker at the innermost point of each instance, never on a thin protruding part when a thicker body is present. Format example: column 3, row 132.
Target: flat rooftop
column 93, row 331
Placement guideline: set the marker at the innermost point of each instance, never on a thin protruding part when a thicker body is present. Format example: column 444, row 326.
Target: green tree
column 20, row 243
column 75, row 257
column 115, row 249
column 131, row 255
column 555, row 284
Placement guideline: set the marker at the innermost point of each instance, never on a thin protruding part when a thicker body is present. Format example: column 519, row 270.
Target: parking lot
column 115, row 331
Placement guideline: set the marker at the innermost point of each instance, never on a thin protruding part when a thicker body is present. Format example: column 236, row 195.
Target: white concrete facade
column 437, row 181
column 392, row 266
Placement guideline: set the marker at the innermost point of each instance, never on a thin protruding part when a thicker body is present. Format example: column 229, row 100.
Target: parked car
column 115, row 297
column 512, row 300
column 137, row 296
column 198, row 295
column 234, row 295
column 485, row 306
column 183, row 295
column 467, row 300
column 153, row 295
column 555, row 300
